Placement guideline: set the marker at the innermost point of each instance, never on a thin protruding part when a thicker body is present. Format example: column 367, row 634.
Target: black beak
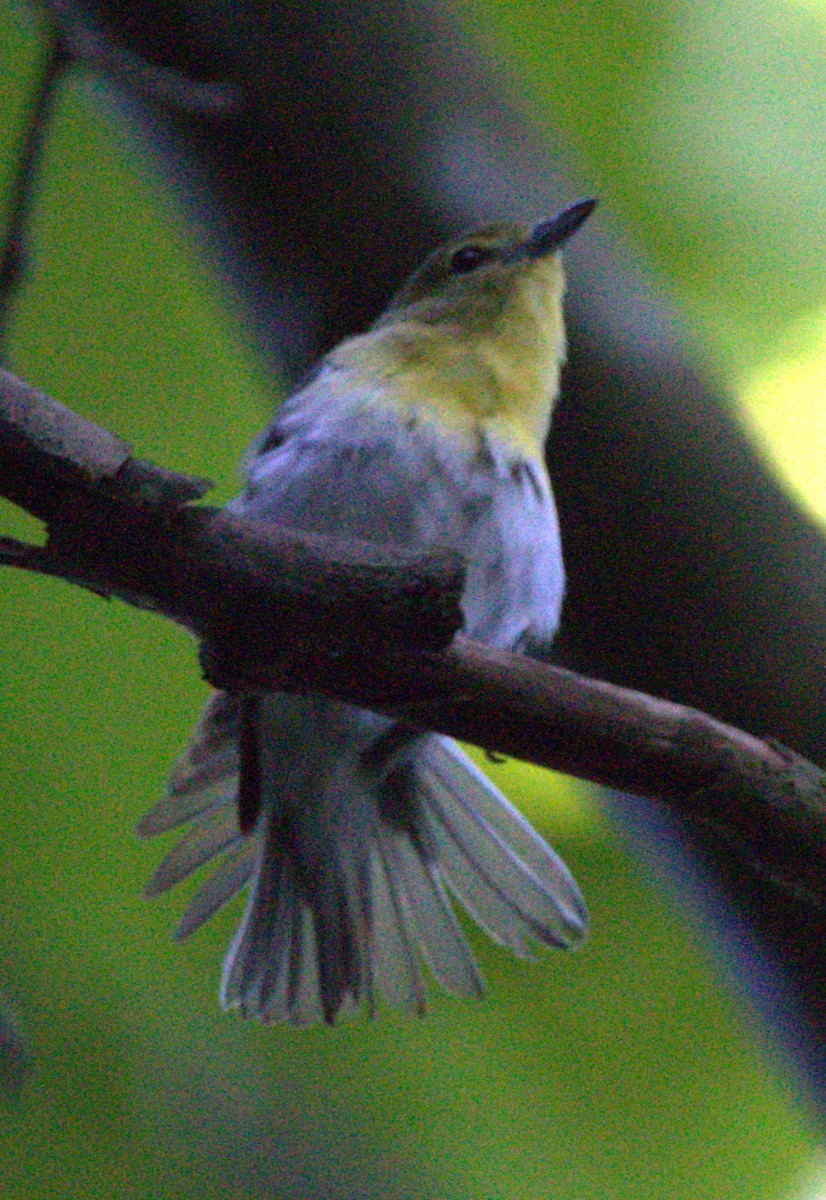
column 550, row 235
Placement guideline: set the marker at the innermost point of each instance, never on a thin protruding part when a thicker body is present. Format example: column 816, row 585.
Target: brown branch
column 124, row 528
column 281, row 610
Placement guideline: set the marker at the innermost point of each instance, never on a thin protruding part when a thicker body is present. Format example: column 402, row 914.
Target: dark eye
column 274, row 438
column 469, row 258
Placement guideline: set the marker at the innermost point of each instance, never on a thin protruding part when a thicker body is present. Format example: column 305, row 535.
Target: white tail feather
column 351, row 860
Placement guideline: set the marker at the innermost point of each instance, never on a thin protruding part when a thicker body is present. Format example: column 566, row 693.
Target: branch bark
column 277, row 609
column 122, row 527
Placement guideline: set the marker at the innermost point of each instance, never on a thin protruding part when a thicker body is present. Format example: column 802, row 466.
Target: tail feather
column 266, row 925
column 209, row 835
column 428, row 911
column 485, row 903
column 226, row 881
column 276, row 991
column 288, row 989
column 195, row 777
column 262, row 982
column 174, row 809
column 292, row 956
column 213, row 748
column 340, row 970
column 489, row 904
column 395, row 963
column 351, row 870
column 206, row 775
column 497, row 865
column 303, row 1005
column 443, row 760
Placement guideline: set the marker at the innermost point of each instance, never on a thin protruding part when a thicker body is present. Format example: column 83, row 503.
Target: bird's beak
column 550, row 235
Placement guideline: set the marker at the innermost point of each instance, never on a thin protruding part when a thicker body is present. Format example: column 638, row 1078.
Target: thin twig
column 13, row 252
column 72, row 37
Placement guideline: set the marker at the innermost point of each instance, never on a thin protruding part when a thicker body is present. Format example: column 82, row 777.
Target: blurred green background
column 631, row 1069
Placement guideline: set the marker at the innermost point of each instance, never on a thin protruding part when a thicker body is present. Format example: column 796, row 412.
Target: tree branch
column 122, row 527
column 86, row 42
column 276, row 609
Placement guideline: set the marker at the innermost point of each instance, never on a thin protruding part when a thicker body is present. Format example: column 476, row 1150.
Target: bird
column 355, row 835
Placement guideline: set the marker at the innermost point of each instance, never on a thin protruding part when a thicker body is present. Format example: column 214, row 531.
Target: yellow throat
column 475, row 339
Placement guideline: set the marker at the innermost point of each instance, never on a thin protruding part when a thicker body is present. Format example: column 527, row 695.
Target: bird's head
column 503, row 273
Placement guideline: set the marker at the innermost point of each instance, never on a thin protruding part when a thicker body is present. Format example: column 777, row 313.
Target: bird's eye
column 468, row 258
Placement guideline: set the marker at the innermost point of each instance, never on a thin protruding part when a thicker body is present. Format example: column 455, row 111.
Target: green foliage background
column 627, row 1070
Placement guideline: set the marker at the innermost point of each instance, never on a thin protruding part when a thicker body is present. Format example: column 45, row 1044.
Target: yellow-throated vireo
column 427, row 431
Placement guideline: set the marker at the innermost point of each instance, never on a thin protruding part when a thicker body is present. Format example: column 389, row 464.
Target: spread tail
column 351, row 866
